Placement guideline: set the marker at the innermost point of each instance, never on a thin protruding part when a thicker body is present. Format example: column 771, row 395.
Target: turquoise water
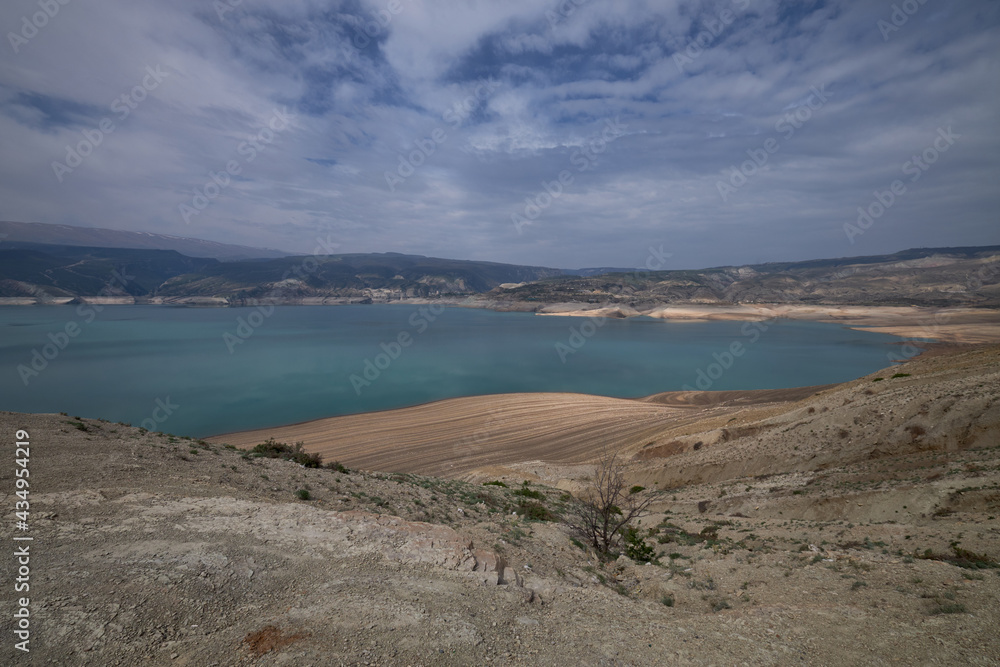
column 198, row 372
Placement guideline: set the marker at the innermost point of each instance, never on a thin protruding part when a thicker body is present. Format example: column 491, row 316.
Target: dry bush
column 607, row 507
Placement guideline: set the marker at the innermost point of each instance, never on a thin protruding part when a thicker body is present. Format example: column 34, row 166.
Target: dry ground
column 779, row 541
column 954, row 325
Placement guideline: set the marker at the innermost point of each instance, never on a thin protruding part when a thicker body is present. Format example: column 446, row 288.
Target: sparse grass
column 515, row 535
column 947, row 608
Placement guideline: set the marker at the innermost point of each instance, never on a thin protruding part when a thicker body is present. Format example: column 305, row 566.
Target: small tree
column 607, row 507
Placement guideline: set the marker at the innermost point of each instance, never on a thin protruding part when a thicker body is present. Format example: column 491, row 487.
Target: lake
column 204, row 371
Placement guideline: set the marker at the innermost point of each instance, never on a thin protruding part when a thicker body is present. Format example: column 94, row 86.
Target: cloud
column 481, row 104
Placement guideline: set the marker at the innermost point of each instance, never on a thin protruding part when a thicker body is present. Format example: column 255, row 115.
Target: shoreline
column 947, row 324
column 534, row 432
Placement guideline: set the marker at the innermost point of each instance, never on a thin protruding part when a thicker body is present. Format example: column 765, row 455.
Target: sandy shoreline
column 968, row 326
column 950, row 325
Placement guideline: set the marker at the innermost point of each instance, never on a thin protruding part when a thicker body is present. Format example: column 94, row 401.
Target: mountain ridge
column 932, row 277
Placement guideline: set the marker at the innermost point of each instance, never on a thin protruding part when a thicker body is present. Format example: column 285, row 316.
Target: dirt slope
column 456, row 436
column 157, row 550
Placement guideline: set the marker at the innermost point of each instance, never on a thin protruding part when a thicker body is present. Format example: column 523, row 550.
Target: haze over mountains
column 18, row 233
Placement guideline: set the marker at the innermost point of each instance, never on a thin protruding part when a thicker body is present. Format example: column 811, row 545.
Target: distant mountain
column 376, row 276
column 94, row 237
column 40, row 271
column 70, row 271
column 920, row 276
column 599, row 271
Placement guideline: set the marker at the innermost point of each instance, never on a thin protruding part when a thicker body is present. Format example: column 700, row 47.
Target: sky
column 570, row 133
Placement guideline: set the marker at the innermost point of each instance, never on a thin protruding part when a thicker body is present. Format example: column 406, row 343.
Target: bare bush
column 607, row 507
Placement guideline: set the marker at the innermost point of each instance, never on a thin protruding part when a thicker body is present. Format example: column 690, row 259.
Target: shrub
column 336, row 467
column 272, row 449
column 667, row 600
column 637, row 489
column 636, row 547
column 719, row 603
column 495, row 482
column 534, row 511
column 303, row 494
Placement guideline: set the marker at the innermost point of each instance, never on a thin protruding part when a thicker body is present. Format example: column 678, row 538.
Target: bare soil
column 778, row 539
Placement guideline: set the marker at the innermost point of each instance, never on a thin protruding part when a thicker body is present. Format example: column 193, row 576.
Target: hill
column 47, row 272
column 375, row 276
column 933, row 277
column 777, row 539
column 53, row 271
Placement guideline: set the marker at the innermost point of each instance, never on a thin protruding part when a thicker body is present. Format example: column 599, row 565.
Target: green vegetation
column 303, row 494
column 272, row 449
column 534, row 511
column 529, row 493
column 636, row 547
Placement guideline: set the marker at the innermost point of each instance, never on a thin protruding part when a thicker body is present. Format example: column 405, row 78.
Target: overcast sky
column 564, row 134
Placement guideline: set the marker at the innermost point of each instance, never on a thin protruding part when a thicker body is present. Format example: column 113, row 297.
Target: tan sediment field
column 452, row 437
column 969, row 326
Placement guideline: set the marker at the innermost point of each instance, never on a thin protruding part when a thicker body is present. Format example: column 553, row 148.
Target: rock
column 510, row 576
column 486, row 561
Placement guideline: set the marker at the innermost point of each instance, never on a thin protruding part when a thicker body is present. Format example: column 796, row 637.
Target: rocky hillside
column 925, row 277
column 793, row 544
column 935, row 277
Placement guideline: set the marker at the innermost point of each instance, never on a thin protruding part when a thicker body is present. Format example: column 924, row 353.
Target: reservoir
column 205, row 371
